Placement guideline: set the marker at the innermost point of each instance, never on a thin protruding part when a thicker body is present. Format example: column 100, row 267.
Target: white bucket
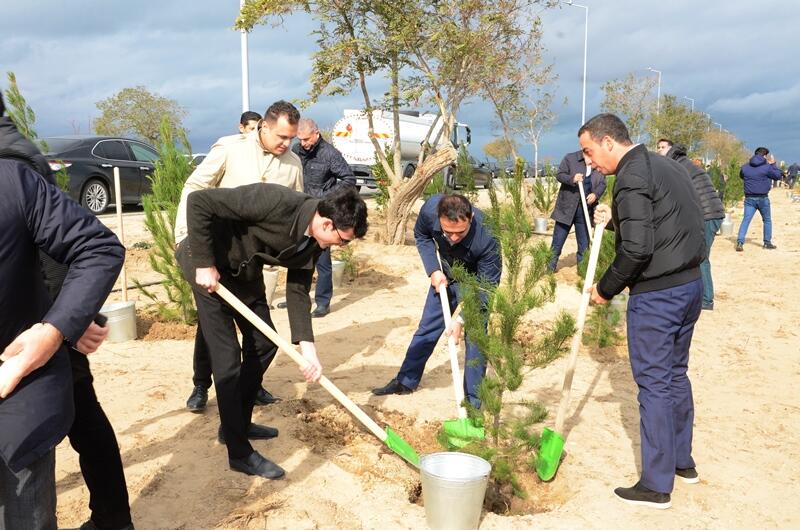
column 726, row 228
column 540, row 225
column 121, row 321
column 270, row 283
column 337, row 268
column 453, row 487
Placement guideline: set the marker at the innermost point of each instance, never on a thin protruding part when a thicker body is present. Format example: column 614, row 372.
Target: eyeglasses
column 342, row 241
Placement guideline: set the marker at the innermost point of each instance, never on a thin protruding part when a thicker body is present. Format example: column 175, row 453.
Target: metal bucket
column 337, row 268
column 540, row 225
column 726, row 228
column 453, row 487
column 270, row 283
column 121, row 321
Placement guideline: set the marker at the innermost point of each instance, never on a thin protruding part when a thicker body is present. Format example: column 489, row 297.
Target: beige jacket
column 234, row 161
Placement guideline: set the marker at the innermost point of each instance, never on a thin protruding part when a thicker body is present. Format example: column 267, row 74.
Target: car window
column 112, row 150
column 143, row 153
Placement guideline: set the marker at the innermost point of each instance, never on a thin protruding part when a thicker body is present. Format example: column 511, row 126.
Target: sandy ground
column 744, row 371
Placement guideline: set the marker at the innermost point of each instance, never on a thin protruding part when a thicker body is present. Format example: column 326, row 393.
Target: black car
column 90, row 163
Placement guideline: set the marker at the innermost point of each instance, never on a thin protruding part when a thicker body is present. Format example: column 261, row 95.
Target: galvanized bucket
column 121, row 321
column 453, row 487
column 337, row 268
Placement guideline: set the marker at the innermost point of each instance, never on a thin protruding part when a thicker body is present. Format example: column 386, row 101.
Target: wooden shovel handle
column 458, row 388
column 289, row 349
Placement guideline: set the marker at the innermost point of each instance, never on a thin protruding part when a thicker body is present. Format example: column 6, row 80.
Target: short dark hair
column 679, row 149
column 606, row 124
column 455, row 208
column 282, row 108
column 762, row 151
column 2, row 104
column 668, row 142
column 249, row 116
column 346, row 209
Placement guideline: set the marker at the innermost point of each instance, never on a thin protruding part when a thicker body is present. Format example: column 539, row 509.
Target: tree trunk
column 403, row 195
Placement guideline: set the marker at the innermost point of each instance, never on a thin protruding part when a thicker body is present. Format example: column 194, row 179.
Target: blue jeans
column 560, row 233
column 431, row 327
column 324, row 290
column 28, row 497
column 660, row 328
column 751, row 204
column 711, row 228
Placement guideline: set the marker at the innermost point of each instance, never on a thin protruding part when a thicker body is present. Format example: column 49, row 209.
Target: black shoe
column 708, row 307
column 639, row 495
column 688, row 475
column 739, row 247
column 255, row 464
column 281, row 305
column 769, row 246
column 320, row 311
column 254, row 432
column 394, row 387
column 89, row 525
column 198, row 399
column 265, row 398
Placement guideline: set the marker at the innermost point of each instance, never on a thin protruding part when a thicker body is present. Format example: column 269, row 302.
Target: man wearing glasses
column 233, row 233
column 451, row 225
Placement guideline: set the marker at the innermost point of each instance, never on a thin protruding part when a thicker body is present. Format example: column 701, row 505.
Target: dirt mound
column 150, row 328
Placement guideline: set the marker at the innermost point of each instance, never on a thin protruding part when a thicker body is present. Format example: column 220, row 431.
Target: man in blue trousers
column 758, row 175
column 660, row 244
column 452, row 225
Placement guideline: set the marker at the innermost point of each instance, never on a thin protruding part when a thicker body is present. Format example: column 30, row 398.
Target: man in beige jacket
column 262, row 155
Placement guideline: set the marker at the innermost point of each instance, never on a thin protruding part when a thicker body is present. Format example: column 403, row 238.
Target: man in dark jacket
column 713, row 214
column 233, row 233
column 36, row 387
column 324, row 170
column 568, row 211
column 450, row 225
column 659, row 247
column 758, row 175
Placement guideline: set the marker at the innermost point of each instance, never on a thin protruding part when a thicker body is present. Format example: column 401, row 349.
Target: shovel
column 390, row 438
column 552, row 441
column 460, row 431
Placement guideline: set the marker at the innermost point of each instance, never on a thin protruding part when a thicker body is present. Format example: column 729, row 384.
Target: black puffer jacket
column 709, row 198
column 660, row 240
column 16, row 147
column 324, row 169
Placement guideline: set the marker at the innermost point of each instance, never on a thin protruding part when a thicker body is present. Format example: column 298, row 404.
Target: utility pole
column 245, row 67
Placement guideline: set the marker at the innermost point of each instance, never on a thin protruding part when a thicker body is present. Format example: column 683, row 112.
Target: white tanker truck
column 351, row 137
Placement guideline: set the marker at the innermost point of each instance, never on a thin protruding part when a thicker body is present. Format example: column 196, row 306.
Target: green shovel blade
column 550, row 449
column 401, row 447
column 462, row 431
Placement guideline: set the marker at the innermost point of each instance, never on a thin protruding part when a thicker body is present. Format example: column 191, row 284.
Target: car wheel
column 95, row 196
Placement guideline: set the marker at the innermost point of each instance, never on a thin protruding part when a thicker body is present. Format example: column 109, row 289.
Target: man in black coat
column 233, row 233
column 36, row 387
column 568, row 210
column 324, row 170
column 659, row 247
column 713, row 214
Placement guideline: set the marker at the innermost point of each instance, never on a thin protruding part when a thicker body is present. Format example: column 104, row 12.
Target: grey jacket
column 569, row 198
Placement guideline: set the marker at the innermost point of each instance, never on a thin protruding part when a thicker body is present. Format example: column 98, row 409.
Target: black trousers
column 92, row 437
column 201, row 361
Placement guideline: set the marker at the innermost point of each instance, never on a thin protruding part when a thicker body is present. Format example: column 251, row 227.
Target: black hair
column 2, row 104
column 763, row 151
column 346, row 209
column 678, row 149
column 604, row 125
column 455, row 208
column 668, row 142
column 282, row 108
column 249, row 116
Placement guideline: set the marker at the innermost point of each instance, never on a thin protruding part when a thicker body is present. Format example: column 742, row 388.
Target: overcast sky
column 735, row 58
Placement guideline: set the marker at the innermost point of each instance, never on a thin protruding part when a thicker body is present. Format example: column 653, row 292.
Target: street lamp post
column 585, row 54
column 245, row 68
column 658, row 90
column 719, row 125
column 690, row 99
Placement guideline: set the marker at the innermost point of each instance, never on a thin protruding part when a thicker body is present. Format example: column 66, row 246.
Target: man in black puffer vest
column 713, row 213
column 659, row 247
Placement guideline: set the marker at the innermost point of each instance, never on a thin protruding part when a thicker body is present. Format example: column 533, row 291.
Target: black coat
column 16, row 147
column 709, row 198
column 660, row 237
column 569, row 198
column 239, row 230
column 33, row 214
column 324, row 168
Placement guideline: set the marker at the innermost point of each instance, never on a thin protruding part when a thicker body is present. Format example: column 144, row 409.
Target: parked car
column 482, row 174
column 90, row 162
column 197, row 158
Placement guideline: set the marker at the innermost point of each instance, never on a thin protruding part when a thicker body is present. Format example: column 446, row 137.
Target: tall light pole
column 719, row 125
column 658, row 90
column 245, row 67
column 585, row 54
column 690, row 99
